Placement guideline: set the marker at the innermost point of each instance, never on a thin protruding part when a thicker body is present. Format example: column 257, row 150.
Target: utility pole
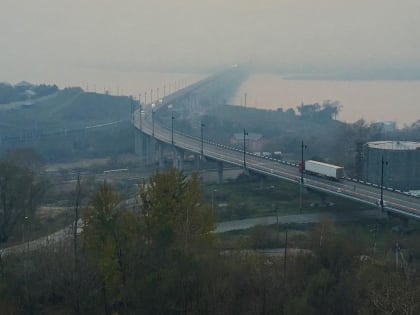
column 302, row 166
column 132, row 109
column 245, row 134
column 285, row 253
column 382, row 181
column 172, row 129
column 153, row 122
column 212, row 199
column 140, row 113
column 76, row 219
column 202, row 139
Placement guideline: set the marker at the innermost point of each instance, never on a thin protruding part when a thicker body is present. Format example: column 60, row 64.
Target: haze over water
column 384, row 100
column 372, row 100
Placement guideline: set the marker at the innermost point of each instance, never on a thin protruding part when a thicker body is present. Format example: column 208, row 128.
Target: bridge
column 152, row 137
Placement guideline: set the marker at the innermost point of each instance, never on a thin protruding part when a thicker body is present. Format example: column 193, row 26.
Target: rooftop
column 394, row 145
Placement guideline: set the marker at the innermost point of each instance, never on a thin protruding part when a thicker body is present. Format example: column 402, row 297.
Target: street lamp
column 141, row 109
column 153, row 120
column 202, row 125
column 245, row 134
column 132, row 109
column 24, row 226
column 382, row 181
column 172, row 129
column 302, row 162
column 302, row 166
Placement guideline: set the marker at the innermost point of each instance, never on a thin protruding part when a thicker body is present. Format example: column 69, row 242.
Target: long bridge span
column 152, row 137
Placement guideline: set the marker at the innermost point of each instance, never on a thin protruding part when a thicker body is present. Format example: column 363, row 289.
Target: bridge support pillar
column 151, row 150
column 220, row 172
column 140, row 144
column 197, row 161
column 160, row 155
column 178, row 159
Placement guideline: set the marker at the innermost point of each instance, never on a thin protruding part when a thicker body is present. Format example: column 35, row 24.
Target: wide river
column 371, row 100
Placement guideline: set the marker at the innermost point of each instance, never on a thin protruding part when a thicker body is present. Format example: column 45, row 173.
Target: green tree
column 174, row 214
column 107, row 231
column 20, row 194
column 178, row 237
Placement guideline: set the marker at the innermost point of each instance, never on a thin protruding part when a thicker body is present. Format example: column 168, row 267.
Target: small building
column 254, row 141
column 386, row 126
column 401, row 164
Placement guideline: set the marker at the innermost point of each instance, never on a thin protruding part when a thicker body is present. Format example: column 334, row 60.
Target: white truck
column 324, row 169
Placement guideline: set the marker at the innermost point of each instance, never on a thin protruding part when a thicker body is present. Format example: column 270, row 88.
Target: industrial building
column 401, row 166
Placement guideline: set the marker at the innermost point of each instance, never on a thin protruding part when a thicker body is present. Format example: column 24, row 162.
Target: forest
column 161, row 256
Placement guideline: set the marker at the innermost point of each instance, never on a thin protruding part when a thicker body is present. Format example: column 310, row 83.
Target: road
column 226, row 226
column 298, row 219
column 396, row 202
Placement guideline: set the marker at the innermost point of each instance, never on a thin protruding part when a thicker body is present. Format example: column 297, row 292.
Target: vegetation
column 163, row 259
column 70, row 124
column 250, row 196
column 20, row 194
column 329, row 139
column 161, row 256
column 24, row 92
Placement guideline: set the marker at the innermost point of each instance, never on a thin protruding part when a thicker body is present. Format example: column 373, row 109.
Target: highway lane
column 367, row 193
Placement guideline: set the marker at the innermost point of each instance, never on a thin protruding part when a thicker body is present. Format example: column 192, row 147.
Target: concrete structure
column 402, row 164
column 397, row 203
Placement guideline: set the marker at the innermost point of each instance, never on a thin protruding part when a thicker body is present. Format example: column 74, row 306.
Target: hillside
column 68, row 108
column 55, row 126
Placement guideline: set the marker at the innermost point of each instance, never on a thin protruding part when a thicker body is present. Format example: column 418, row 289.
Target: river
column 387, row 100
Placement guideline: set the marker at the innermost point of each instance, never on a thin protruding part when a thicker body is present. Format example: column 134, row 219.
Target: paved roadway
column 298, row 219
column 396, row 202
column 226, row 226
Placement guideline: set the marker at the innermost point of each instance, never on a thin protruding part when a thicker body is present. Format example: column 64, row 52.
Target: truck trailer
column 323, row 169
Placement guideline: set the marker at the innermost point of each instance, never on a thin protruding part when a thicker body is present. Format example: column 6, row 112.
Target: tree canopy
column 20, row 194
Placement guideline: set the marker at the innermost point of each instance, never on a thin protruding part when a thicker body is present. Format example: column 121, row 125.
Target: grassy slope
column 71, row 108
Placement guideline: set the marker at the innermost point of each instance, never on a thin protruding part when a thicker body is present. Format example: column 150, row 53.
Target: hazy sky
column 43, row 40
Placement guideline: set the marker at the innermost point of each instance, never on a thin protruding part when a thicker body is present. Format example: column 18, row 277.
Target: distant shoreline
column 372, row 100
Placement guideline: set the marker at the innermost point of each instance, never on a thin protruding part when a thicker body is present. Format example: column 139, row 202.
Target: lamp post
column 132, row 109
column 153, row 120
column 245, row 134
column 382, row 181
column 24, row 226
column 202, row 125
column 302, row 162
column 172, row 129
column 302, row 166
column 141, row 108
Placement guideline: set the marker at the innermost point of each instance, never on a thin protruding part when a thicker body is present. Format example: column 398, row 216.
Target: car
column 339, row 190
